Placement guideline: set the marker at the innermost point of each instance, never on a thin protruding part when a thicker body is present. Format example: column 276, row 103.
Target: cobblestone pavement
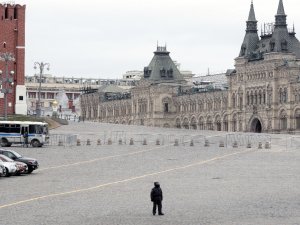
column 110, row 184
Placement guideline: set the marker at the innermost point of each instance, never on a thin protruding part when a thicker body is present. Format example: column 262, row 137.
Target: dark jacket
column 156, row 194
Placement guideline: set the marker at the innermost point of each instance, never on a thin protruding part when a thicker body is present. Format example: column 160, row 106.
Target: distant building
column 262, row 93
column 133, row 74
column 12, row 40
column 54, row 88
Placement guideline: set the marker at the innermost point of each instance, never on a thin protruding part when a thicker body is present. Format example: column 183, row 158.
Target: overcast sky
column 106, row 38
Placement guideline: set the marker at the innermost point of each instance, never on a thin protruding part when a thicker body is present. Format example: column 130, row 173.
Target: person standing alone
column 156, row 197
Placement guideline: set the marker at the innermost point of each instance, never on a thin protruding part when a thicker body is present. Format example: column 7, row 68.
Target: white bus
column 13, row 132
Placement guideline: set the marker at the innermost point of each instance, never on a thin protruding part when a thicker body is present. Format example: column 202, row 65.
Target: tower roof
column 252, row 13
column 280, row 10
column 251, row 38
column 162, row 69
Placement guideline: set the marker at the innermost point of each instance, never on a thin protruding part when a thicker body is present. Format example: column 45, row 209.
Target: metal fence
column 63, row 140
column 227, row 140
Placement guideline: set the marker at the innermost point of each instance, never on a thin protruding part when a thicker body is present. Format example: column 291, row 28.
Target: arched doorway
column 256, row 126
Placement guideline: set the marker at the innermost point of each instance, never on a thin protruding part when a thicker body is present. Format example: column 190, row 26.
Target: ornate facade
column 262, row 93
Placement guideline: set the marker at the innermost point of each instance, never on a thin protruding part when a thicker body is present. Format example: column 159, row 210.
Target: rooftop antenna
column 293, row 27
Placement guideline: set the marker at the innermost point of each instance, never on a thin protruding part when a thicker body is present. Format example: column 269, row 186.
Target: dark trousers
column 159, row 206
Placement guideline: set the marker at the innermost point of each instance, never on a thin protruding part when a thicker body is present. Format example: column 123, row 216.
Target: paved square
column 110, row 184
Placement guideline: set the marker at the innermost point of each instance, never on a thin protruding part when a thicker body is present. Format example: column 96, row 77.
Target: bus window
column 15, row 128
column 39, row 129
column 45, row 130
column 2, row 128
column 32, row 129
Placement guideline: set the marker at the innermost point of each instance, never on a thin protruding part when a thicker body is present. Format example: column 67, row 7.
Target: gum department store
column 262, row 93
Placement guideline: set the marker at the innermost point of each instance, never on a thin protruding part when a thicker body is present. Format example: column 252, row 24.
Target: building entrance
column 256, row 126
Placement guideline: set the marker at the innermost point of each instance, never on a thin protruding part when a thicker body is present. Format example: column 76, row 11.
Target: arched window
column 15, row 13
column 297, row 117
column 284, row 46
column 178, row 123
column 243, row 50
column 248, row 98
column 201, row 123
column 285, row 95
column 209, row 124
column 233, row 100
column 6, row 13
column 259, row 98
column 255, row 98
column 272, row 46
column 283, row 121
column 225, row 123
column 218, row 123
column 234, row 123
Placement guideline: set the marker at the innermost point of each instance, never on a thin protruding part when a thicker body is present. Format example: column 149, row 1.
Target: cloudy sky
column 106, row 38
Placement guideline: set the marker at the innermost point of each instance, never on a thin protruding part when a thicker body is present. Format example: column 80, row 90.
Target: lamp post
column 6, row 81
column 41, row 66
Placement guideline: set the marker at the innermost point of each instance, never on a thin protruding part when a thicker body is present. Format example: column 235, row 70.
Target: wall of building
column 12, row 40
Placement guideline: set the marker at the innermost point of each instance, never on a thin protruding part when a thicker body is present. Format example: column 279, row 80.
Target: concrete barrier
column 88, row 142
column 268, row 145
column 145, row 142
column 192, row 143
column 235, row 144
column 120, row 141
column 222, row 144
column 131, row 142
column 259, row 145
column 176, row 142
column 206, row 143
column 157, row 142
column 60, row 143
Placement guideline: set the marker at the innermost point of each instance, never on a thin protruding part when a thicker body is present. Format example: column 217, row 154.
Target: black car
column 31, row 163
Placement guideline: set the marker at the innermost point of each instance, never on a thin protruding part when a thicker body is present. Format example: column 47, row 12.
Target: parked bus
column 17, row 132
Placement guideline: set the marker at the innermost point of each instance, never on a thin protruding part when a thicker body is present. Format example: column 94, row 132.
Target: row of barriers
column 228, row 140
column 126, row 138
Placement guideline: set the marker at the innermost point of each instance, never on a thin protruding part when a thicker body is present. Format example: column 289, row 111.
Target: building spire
column 280, row 10
column 252, row 13
column 251, row 22
column 280, row 18
column 251, row 38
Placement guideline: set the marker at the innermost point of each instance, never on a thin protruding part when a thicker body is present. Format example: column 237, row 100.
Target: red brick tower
column 12, row 40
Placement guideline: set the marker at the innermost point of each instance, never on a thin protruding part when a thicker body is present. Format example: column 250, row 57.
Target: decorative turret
column 162, row 69
column 280, row 18
column 251, row 38
column 252, row 22
column 280, row 41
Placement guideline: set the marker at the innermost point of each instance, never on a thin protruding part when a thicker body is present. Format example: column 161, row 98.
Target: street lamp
column 41, row 66
column 7, row 81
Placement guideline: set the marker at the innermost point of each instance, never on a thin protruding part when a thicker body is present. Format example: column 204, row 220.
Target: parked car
column 2, row 171
column 10, row 167
column 31, row 163
column 21, row 167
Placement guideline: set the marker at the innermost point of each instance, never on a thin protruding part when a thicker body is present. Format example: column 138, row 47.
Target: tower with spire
column 251, row 38
column 277, row 39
